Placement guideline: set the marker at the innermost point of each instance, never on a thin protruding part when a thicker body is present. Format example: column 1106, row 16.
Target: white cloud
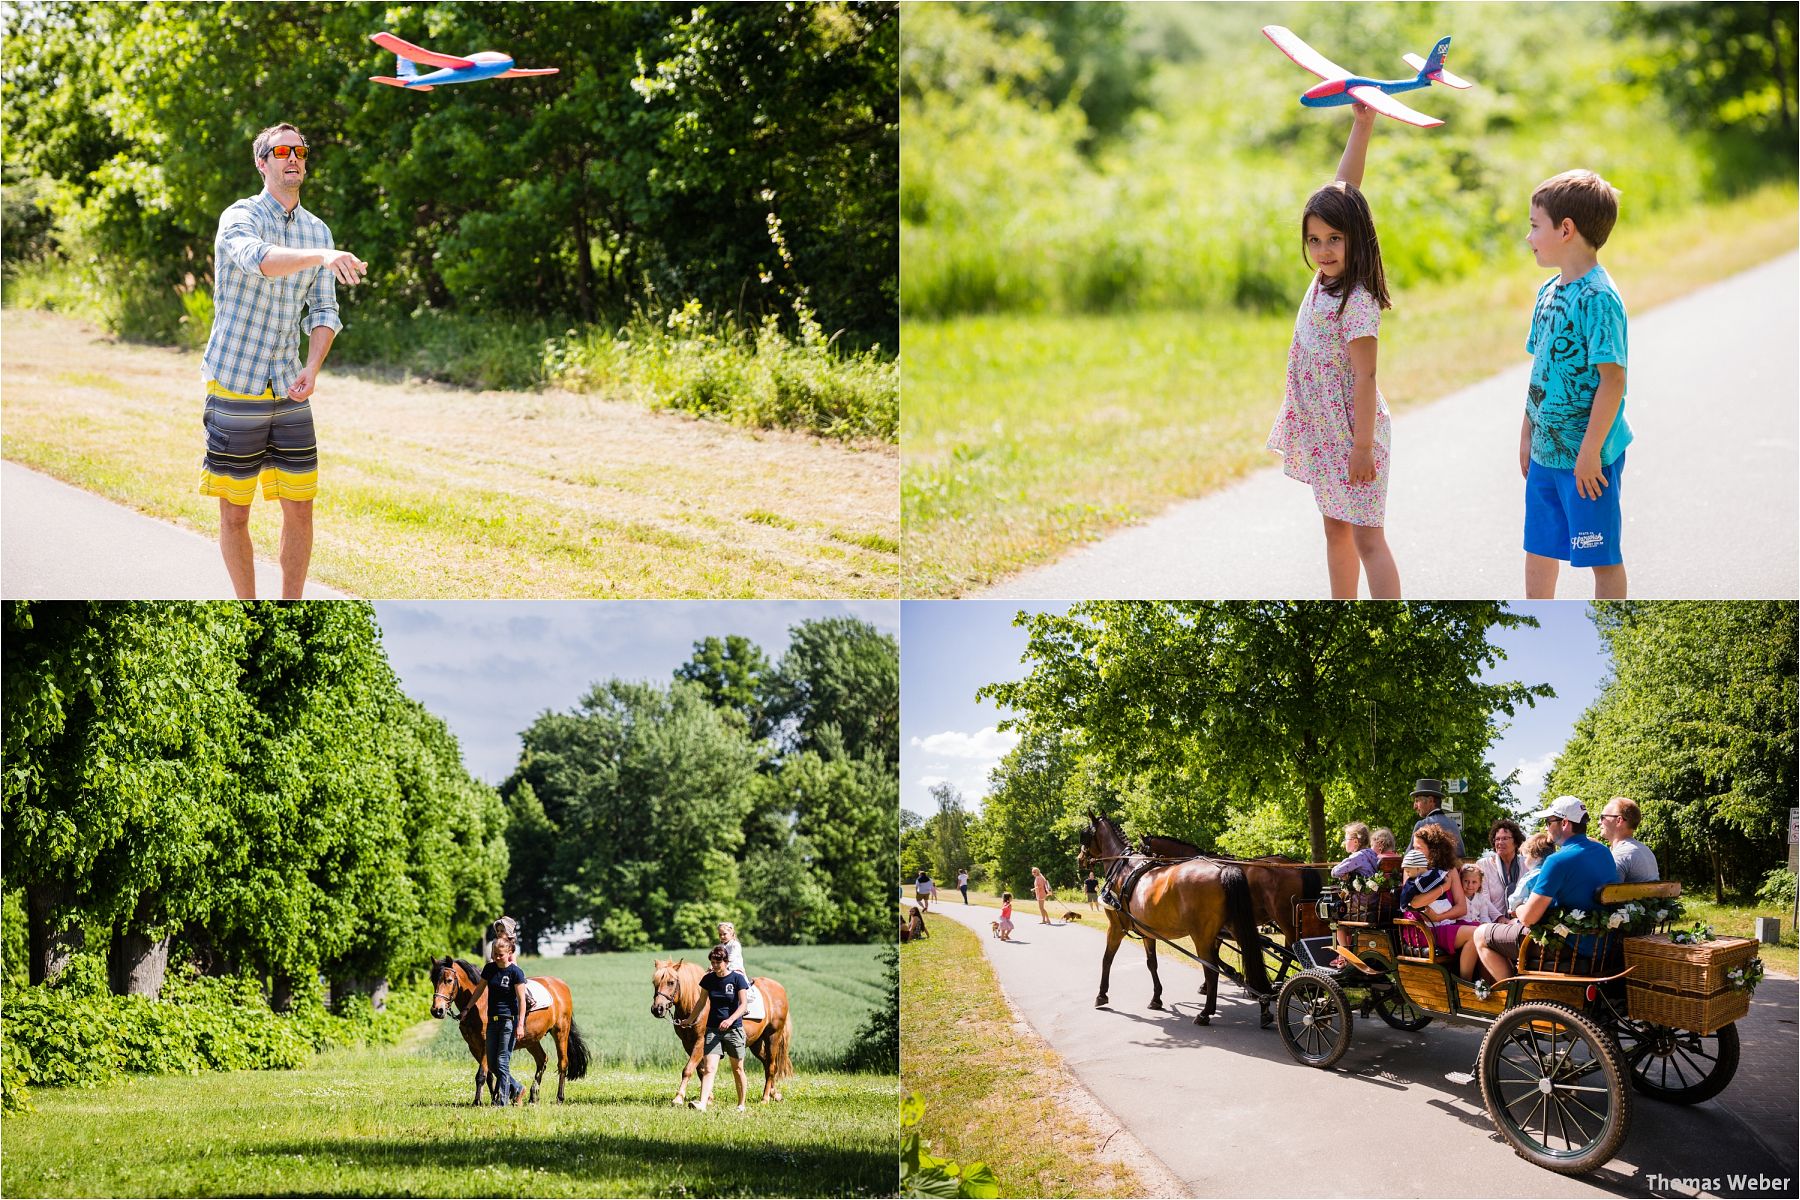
column 1530, row 787
column 988, row 745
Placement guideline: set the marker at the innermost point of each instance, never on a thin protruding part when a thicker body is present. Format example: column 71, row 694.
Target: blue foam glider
column 1341, row 87
column 483, row 64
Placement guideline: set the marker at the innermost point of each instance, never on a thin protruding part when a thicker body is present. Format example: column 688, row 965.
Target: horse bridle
column 671, row 1001
column 450, row 1000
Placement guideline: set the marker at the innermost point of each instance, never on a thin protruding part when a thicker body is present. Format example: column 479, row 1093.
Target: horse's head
column 665, row 984
column 446, row 986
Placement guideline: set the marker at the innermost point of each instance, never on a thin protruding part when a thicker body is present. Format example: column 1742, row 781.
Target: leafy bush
column 1778, row 888
column 877, row 1044
column 921, row 1174
column 74, row 1033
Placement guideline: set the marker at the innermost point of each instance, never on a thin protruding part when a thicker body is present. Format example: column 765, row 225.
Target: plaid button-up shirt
column 255, row 342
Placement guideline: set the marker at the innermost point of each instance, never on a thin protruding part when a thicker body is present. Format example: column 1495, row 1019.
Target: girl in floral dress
column 1333, row 431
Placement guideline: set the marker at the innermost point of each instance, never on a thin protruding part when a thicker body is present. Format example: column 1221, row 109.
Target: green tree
column 1228, row 702
column 1697, row 724
column 844, row 673
column 1728, row 67
column 949, row 834
column 736, row 675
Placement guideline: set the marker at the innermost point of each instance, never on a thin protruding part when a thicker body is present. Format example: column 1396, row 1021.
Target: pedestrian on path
column 1333, row 430
column 962, row 884
column 1040, row 888
column 923, row 890
column 271, row 259
column 1092, row 885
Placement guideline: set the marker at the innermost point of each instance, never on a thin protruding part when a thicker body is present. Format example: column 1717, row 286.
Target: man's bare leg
column 296, row 546
column 234, row 545
column 1540, row 576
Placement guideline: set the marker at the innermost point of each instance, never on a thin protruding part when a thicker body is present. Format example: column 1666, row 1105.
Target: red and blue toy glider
column 483, row 64
column 1341, row 87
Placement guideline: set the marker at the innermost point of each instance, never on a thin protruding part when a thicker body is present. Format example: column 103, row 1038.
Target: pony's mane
column 474, row 971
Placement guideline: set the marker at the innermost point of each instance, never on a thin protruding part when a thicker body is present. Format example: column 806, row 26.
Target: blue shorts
column 1561, row 523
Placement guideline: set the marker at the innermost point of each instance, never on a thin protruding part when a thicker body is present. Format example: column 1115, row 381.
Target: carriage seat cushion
column 536, row 995
column 1620, row 893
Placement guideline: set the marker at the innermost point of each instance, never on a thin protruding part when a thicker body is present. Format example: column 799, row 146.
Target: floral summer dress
column 1313, row 432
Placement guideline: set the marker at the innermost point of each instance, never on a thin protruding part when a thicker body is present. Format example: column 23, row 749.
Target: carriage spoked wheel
column 1392, row 1006
column 1678, row 1065
column 1555, row 1087
column 1313, row 1015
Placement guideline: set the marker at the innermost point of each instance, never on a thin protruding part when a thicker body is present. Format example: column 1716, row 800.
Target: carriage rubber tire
column 1611, row 1071
column 1388, row 1006
column 1708, row 1087
column 1310, row 1043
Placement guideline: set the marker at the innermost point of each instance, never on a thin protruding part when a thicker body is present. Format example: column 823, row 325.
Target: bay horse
column 1194, row 898
column 677, row 994
column 453, row 983
column 1276, row 884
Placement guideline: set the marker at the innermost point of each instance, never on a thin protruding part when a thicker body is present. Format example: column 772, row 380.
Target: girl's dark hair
column 1341, row 206
column 1006, row 896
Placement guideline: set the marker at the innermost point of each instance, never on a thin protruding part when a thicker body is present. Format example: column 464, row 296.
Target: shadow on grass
column 666, row 1165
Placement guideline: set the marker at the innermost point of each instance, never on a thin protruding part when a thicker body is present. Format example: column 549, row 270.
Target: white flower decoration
column 1561, row 930
column 1616, row 920
column 1575, row 914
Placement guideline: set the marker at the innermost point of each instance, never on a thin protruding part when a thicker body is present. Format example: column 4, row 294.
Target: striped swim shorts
column 252, row 438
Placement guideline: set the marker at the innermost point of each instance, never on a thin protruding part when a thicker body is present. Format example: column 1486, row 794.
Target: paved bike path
column 61, row 543
column 1709, row 501
column 1231, row 1114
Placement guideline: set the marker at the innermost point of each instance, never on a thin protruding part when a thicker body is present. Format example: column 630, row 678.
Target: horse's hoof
column 1157, row 1005
column 1100, row 1001
column 1203, row 1019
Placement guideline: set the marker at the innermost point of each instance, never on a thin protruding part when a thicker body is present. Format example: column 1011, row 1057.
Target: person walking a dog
column 271, row 260
column 1040, row 888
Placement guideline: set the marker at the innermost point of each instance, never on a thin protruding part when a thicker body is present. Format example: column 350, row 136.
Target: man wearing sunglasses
column 271, row 260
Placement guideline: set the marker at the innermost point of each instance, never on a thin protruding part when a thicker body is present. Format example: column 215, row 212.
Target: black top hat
column 1429, row 787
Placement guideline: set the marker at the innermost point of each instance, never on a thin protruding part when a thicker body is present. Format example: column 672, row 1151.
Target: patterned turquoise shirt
column 257, row 322
column 1574, row 328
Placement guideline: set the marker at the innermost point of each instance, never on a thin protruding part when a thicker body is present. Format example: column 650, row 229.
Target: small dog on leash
column 995, row 926
column 1071, row 916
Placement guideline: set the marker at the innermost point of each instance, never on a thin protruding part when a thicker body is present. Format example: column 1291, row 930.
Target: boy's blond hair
column 1582, row 197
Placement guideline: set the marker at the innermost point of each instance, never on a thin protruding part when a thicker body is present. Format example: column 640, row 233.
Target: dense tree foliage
column 1232, row 718
column 241, row 784
column 1697, row 724
column 761, row 794
column 744, row 156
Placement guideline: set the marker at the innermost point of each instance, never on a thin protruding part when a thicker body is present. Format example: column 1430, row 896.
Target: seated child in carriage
column 1537, row 848
column 1361, row 860
column 1481, row 909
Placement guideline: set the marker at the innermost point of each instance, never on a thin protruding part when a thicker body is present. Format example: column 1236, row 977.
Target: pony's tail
column 1243, row 928
column 578, row 1052
column 780, row 1065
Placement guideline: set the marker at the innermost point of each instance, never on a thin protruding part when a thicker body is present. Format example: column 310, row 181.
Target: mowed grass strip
column 1023, row 436
column 397, row 1120
column 994, row 1092
column 427, row 491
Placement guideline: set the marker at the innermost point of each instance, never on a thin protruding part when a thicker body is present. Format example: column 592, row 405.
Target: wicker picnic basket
column 1696, row 969
column 1684, row 986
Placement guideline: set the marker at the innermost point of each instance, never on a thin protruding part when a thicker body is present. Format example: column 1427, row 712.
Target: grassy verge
column 1739, row 920
column 430, row 492
column 1024, row 435
column 993, row 1091
column 687, row 360
column 396, row 1120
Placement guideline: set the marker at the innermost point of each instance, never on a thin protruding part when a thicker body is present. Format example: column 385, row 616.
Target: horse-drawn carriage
column 1590, row 1017
column 1568, row 1039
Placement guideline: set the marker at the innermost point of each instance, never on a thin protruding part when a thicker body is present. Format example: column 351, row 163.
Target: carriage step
column 1460, row 1078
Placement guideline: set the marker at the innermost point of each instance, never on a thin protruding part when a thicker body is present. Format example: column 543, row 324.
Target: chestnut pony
column 677, row 994
column 453, row 981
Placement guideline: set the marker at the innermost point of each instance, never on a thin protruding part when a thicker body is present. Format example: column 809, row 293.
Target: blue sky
column 951, row 647
column 489, row 667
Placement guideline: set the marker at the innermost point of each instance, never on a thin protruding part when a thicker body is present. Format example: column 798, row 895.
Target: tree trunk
column 1718, row 876
column 281, row 993
column 52, row 939
column 584, row 261
column 136, row 965
column 375, row 989
column 1315, row 820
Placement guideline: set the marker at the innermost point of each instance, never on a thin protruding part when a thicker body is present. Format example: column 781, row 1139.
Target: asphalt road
column 1709, row 492
column 1231, row 1114
column 60, row 543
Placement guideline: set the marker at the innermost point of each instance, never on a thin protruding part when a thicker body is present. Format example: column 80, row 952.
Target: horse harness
column 1119, row 899
column 674, row 1007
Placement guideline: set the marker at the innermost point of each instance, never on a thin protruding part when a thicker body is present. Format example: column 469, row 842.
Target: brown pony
column 453, row 982
column 677, row 994
column 1195, row 898
column 1280, row 888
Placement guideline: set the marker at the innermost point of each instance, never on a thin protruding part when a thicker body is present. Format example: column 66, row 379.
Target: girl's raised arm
column 1356, row 150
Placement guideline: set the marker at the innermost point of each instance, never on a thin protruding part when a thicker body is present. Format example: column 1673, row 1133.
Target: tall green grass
column 1197, row 206
column 686, row 359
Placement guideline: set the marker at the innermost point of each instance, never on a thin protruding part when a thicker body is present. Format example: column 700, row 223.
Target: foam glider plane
column 483, row 64
column 1341, row 87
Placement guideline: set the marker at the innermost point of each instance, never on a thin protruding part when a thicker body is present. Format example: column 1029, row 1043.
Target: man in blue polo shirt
column 1570, row 878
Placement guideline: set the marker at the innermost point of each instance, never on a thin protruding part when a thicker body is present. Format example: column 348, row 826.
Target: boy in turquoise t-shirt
column 1572, row 443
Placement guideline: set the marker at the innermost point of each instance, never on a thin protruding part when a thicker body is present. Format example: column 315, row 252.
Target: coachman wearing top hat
column 1428, row 802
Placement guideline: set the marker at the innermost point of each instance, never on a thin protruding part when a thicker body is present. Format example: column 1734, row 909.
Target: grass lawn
column 428, row 491
column 1739, row 920
column 397, row 1120
column 993, row 1091
column 1023, row 436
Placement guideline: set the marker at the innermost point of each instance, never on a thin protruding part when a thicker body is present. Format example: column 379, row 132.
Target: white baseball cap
column 1568, row 808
